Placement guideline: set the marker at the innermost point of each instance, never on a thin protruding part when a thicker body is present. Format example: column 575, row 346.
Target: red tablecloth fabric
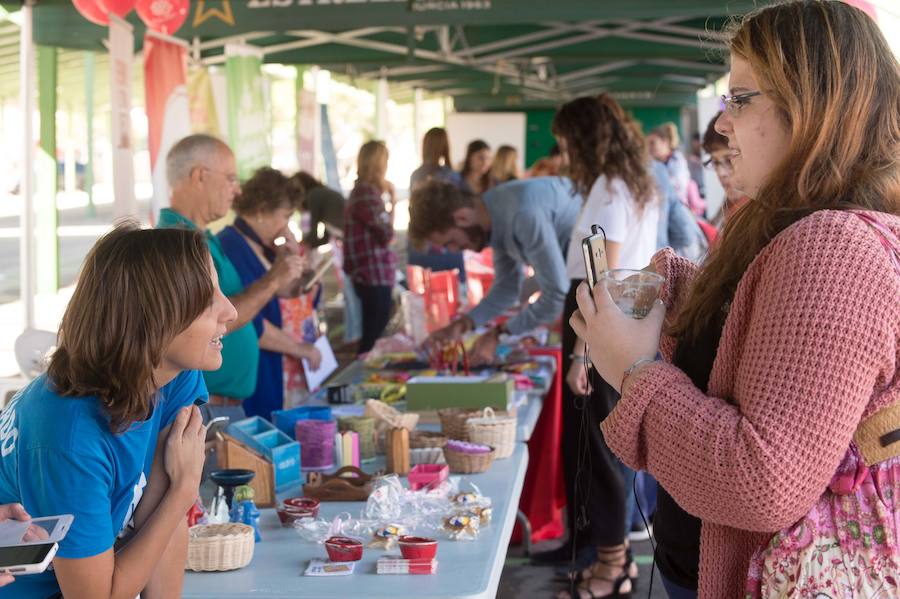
column 544, row 495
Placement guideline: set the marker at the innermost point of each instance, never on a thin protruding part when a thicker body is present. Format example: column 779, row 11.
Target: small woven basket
column 386, row 418
column 497, row 431
column 219, row 547
column 426, row 440
column 468, row 463
column 453, row 422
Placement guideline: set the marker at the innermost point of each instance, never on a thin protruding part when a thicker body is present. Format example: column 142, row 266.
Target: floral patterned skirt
column 845, row 547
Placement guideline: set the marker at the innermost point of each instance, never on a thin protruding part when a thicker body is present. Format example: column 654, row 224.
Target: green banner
column 248, row 123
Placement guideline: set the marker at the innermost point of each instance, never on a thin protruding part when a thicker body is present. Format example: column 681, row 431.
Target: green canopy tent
column 486, row 54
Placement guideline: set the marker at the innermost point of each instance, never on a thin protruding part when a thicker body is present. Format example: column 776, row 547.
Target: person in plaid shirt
column 369, row 260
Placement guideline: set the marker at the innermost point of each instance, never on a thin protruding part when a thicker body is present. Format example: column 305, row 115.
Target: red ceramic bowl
column 288, row 515
column 418, row 547
column 344, row 549
column 306, row 504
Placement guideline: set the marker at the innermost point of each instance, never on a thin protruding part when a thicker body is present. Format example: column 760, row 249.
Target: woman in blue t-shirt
column 112, row 434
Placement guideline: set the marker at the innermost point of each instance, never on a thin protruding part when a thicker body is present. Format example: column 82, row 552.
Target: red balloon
column 119, row 7
column 91, row 10
column 165, row 16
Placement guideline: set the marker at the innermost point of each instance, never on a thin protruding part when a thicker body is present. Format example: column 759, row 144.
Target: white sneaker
column 640, row 535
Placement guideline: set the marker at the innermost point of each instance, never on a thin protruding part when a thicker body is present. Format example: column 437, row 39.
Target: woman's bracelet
column 632, row 368
column 576, row 357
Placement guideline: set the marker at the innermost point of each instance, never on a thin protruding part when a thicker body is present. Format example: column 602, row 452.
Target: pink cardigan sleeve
column 816, row 340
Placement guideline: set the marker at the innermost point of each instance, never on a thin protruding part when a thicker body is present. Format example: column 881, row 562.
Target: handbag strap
column 888, row 240
column 878, row 436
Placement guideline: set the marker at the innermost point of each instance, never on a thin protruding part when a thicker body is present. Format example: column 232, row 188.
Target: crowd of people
column 761, row 391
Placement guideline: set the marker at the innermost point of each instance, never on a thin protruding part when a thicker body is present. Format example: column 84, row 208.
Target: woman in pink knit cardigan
column 769, row 420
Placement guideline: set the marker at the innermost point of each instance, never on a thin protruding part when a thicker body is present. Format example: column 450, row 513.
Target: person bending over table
column 202, row 173
column 111, row 433
column 527, row 222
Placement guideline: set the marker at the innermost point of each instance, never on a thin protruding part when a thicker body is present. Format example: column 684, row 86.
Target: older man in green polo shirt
column 202, row 175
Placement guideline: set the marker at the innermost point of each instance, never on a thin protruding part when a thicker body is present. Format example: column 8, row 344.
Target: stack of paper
column 395, row 564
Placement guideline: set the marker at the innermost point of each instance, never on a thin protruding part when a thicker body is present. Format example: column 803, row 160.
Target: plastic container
column 285, row 420
column 427, row 475
column 284, row 453
column 418, row 547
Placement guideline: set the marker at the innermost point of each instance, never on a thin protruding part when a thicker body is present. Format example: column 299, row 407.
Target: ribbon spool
column 364, row 426
column 316, row 439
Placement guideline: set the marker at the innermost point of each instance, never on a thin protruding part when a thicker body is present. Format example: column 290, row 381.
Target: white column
column 381, row 117
column 417, row 119
column 26, row 221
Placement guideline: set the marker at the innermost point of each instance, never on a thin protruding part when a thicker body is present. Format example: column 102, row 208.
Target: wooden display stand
column 231, row 453
column 396, row 450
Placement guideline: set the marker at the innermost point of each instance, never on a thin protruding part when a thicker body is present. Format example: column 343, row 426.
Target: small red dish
column 418, row 547
column 303, row 503
column 288, row 515
column 344, row 549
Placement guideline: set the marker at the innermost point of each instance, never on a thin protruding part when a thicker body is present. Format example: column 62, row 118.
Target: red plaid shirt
column 368, row 231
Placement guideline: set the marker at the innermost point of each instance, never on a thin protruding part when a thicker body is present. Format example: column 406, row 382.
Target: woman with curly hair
column 264, row 208
column 608, row 163
column 771, row 422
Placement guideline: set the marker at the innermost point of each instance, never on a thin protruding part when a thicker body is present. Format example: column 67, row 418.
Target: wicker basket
column 219, row 547
column 426, row 455
column 468, row 463
column 497, row 431
column 386, row 418
column 426, row 440
column 453, row 422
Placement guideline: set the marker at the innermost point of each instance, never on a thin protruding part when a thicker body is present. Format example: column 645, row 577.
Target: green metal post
column 47, row 175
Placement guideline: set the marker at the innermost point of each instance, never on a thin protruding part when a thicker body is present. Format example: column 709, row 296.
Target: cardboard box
column 478, row 392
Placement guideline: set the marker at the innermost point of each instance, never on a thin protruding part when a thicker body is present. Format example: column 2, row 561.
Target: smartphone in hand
column 593, row 247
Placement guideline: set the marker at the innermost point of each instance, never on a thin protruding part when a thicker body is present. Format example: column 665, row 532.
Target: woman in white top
column 608, row 162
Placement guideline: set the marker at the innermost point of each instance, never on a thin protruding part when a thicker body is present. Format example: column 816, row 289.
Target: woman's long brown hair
column 836, row 85
column 137, row 290
column 436, row 147
column 602, row 140
column 371, row 164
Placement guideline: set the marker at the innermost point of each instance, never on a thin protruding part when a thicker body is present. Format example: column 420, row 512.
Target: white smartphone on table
column 28, row 547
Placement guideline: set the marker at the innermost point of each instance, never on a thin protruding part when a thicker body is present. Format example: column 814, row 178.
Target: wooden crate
column 232, row 453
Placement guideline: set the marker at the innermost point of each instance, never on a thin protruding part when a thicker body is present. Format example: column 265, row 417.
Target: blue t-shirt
column 58, row 456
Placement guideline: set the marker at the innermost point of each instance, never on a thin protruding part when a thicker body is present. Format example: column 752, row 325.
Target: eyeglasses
column 231, row 178
column 733, row 104
column 717, row 163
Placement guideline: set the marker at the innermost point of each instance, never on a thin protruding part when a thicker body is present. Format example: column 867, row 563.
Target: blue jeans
column 352, row 313
column 677, row 592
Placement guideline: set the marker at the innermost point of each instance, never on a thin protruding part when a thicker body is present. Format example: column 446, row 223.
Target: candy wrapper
column 462, row 527
column 385, row 537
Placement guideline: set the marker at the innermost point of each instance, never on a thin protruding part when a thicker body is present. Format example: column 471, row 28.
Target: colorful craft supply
column 316, row 439
column 346, row 446
column 364, row 426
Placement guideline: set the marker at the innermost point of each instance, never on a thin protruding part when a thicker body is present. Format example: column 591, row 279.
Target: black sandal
column 577, row 576
column 618, row 582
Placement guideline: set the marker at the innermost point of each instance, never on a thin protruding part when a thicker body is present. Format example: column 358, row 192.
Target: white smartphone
column 38, row 531
column 26, row 559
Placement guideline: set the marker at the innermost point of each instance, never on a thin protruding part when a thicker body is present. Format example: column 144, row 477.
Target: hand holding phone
column 29, row 546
